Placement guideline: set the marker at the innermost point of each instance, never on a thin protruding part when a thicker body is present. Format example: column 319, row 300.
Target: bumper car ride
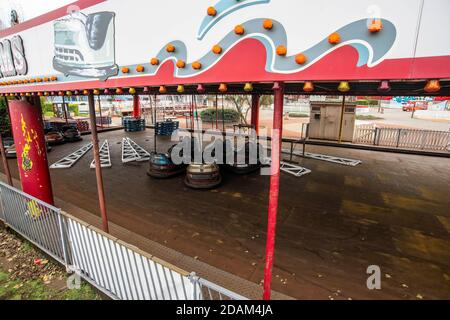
column 247, row 166
column 162, row 167
column 71, row 134
column 54, row 138
column 202, row 176
column 10, row 152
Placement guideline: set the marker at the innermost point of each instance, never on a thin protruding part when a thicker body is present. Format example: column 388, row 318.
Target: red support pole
column 274, row 186
column 255, row 112
column 29, row 139
column 136, row 106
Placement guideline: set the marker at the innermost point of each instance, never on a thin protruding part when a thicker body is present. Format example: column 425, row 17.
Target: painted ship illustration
column 84, row 45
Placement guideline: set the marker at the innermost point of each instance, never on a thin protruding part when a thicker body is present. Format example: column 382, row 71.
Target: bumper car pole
column 274, row 186
column 100, row 111
column 155, row 121
column 217, row 113
column 223, row 116
column 136, row 106
column 65, row 110
column 98, row 167
column 255, row 112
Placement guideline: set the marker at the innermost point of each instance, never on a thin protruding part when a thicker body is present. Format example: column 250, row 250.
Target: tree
column 242, row 104
column 266, row 100
column 5, row 126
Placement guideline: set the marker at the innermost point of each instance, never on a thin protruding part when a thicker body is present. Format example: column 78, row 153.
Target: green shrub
column 367, row 102
column 47, row 107
column 367, row 117
column 298, row 115
column 4, row 119
column 73, row 108
column 229, row 115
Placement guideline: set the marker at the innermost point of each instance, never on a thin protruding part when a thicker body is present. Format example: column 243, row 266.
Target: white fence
column 403, row 138
column 118, row 269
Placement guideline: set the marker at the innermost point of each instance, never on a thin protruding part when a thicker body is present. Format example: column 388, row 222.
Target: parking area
column 391, row 211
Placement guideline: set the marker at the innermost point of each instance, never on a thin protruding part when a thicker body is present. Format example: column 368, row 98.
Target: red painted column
column 136, row 106
column 274, row 186
column 255, row 112
column 29, row 138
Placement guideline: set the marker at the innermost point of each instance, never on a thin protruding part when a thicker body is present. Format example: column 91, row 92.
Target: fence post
column 2, row 192
column 447, row 147
column 194, row 280
column 375, row 136
column 63, row 241
column 424, row 135
column 399, row 136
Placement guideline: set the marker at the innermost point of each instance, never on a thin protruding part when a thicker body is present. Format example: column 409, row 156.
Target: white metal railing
column 118, row 269
column 403, row 138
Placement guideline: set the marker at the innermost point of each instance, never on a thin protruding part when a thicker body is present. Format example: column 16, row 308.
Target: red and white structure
column 356, row 47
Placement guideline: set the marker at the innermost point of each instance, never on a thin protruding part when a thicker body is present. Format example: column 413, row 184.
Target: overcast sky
column 27, row 9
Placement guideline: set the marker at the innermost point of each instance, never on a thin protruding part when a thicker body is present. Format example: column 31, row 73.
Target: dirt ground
column 27, row 274
column 391, row 211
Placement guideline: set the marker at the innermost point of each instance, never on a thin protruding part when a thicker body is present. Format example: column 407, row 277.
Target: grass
column 27, row 247
column 367, row 117
column 37, row 290
column 21, row 278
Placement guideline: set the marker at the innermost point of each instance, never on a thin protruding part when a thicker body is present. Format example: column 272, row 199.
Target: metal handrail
column 116, row 268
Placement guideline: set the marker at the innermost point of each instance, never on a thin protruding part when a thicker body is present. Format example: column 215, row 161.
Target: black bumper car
column 71, row 134
column 246, row 160
column 53, row 137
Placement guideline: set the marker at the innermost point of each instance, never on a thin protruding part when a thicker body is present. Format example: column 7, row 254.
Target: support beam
column 128, row 153
column 68, row 161
column 255, row 112
column 277, row 133
column 105, row 157
column 136, row 106
column 28, row 131
column 98, row 168
column 143, row 155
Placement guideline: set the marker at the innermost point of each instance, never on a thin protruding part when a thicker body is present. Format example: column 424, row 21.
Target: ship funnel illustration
column 84, row 45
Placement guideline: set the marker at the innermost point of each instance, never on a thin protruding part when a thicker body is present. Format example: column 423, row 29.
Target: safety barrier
column 116, row 268
column 403, row 138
